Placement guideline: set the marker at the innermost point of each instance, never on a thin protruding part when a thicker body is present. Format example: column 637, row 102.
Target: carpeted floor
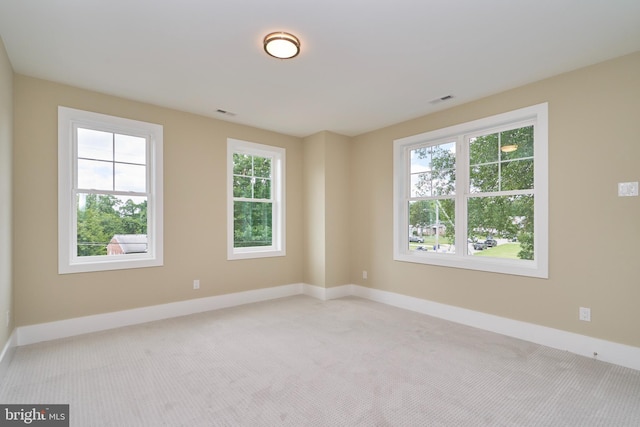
column 299, row 361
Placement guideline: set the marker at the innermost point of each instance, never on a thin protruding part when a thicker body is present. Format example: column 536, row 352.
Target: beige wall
column 339, row 209
column 194, row 211
column 338, row 245
column 326, row 207
column 314, row 210
column 6, row 142
column 594, row 143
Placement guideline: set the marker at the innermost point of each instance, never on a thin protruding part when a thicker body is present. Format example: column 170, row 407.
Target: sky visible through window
column 111, row 162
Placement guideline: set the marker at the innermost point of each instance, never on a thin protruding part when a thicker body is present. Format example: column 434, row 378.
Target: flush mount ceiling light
column 509, row 148
column 282, row 45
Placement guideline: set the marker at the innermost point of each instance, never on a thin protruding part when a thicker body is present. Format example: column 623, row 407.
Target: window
column 256, row 200
column 109, row 192
column 475, row 195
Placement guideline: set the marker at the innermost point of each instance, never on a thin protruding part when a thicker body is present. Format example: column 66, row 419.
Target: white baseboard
column 7, row 353
column 100, row 322
column 325, row 294
column 607, row 351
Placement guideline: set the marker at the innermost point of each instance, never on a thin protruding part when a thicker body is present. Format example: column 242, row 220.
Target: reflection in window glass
column 501, row 161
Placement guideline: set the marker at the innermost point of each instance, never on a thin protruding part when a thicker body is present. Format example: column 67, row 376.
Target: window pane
column 484, row 178
column 420, row 160
column 130, row 178
column 262, row 188
column 433, row 170
column 504, row 223
column 262, row 167
column 94, row 144
column 131, row 149
column 483, row 149
column 517, row 175
column 95, row 175
column 251, row 224
column 421, row 185
column 432, row 225
column 443, row 156
column 514, row 170
column 519, row 141
column 242, row 187
column 110, row 225
column 444, row 182
column 242, row 164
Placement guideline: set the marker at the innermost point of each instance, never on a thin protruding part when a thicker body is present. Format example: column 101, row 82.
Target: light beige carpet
column 299, row 361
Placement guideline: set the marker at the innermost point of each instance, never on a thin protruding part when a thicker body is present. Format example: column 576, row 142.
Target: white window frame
column 69, row 120
column 539, row 266
column 278, row 232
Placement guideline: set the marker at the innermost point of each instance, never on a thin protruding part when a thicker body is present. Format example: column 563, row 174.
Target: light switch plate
column 626, row 189
column 585, row 314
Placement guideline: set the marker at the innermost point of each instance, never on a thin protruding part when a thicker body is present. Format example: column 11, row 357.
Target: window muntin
column 110, row 192
column 490, row 179
column 256, row 200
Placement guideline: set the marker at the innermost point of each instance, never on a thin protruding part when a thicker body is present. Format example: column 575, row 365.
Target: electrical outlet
column 627, row 189
column 8, row 318
column 196, row 284
column 585, row 314
column 364, row 274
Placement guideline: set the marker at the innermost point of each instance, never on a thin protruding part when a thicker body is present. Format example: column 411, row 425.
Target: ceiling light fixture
column 509, row 148
column 282, row 45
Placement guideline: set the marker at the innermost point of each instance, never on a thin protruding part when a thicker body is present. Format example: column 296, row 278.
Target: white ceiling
column 365, row 64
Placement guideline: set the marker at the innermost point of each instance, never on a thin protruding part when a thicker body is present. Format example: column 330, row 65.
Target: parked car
column 491, row 243
column 416, row 239
column 479, row 246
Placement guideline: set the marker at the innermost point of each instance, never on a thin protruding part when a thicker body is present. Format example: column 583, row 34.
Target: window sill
column 108, row 265
column 493, row 265
column 252, row 253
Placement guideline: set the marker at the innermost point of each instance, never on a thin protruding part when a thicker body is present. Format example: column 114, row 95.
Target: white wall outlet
column 585, row 314
column 8, row 318
column 627, row 189
column 364, row 274
column 196, row 284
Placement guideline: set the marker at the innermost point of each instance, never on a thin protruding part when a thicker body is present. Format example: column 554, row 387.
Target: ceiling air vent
column 225, row 112
column 441, row 99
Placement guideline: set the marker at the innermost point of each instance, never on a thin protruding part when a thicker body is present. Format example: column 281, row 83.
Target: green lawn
column 507, row 250
column 431, row 240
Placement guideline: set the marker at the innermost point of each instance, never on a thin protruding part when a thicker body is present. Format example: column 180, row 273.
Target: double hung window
column 110, row 192
column 475, row 195
column 256, row 197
